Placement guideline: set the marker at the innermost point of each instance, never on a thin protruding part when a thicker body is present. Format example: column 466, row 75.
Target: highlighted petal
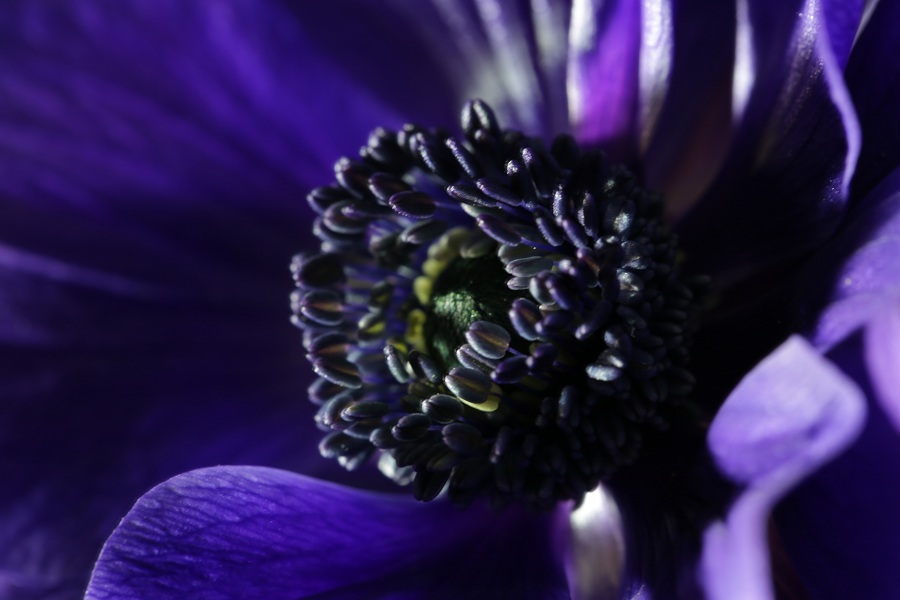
column 791, row 415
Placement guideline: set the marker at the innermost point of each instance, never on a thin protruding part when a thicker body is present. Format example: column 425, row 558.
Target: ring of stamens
column 494, row 318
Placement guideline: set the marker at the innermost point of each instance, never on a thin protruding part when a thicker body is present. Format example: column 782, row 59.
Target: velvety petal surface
column 723, row 78
column 790, row 416
column 840, row 526
column 155, row 158
column 873, row 77
column 248, row 532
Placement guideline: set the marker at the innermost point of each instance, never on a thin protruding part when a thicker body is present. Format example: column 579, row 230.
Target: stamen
column 491, row 317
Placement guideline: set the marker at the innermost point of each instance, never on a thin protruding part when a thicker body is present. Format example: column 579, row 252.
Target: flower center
column 489, row 316
column 465, row 292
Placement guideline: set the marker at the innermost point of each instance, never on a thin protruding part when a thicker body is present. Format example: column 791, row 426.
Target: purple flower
column 155, row 160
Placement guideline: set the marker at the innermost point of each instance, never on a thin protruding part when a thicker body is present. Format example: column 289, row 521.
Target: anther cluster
column 491, row 316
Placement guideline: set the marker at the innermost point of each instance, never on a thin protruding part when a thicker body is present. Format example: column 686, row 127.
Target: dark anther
column 491, row 317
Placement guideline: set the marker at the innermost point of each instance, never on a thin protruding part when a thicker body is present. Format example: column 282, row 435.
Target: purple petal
column 155, row 158
column 858, row 274
column 840, row 526
column 697, row 123
column 780, row 194
column 219, row 87
column 882, row 357
column 605, row 95
column 842, row 19
column 873, row 77
column 792, row 414
column 248, row 532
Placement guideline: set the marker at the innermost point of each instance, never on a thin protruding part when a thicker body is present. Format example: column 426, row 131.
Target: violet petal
column 606, row 99
column 240, row 532
column 155, row 157
column 856, row 275
column 839, row 526
column 507, row 52
column 788, row 417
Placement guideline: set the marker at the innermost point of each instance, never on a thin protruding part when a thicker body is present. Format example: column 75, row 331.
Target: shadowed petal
column 595, row 548
column 248, row 532
column 873, row 77
column 781, row 193
column 788, row 417
column 694, row 127
column 784, row 185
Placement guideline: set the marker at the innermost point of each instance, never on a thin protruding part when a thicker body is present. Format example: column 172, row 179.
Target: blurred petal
column 248, row 532
column 873, row 77
column 696, row 126
column 842, row 19
column 665, row 501
column 792, row 414
column 840, row 526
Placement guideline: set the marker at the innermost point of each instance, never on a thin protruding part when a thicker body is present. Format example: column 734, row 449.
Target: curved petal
column 790, row 416
column 856, row 276
column 239, row 532
column 840, row 526
column 873, row 77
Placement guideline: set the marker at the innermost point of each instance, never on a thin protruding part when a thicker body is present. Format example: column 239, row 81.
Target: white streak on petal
column 510, row 44
column 655, row 62
column 744, row 62
column 598, row 548
column 582, row 38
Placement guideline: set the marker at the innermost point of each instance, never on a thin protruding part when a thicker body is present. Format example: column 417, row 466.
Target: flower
column 188, row 232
